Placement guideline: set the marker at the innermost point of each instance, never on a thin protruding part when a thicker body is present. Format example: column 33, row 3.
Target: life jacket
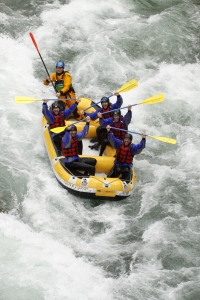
column 73, row 150
column 59, row 120
column 103, row 110
column 124, row 154
column 118, row 133
column 59, row 85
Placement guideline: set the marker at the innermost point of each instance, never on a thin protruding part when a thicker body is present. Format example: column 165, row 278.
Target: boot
column 95, row 140
column 94, row 147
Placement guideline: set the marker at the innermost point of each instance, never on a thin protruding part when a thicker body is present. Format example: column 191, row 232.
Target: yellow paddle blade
column 163, row 139
column 153, row 99
column 25, row 100
column 58, row 129
column 128, row 86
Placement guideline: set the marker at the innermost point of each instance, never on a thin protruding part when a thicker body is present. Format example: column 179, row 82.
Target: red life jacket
column 73, row 150
column 59, row 120
column 124, row 154
column 103, row 110
column 118, row 133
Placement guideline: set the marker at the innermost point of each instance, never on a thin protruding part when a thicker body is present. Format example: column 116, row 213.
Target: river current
column 54, row 246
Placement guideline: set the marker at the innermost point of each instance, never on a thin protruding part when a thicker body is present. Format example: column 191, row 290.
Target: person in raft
column 64, row 89
column 106, row 108
column 124, row 154
column 70, row 150
column 56, row 118
column 116, row 121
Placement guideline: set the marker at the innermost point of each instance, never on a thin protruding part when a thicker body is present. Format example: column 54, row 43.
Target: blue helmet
column 105, row 99
column 60, row 64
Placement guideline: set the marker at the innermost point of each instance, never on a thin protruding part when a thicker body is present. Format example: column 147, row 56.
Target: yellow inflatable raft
column 86, row 102
column 98, row 186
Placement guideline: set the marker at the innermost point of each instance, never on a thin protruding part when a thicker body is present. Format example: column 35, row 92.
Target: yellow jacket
column 66, row 77
column 66, row 92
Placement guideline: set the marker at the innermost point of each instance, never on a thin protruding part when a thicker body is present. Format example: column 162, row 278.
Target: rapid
column 55, row 246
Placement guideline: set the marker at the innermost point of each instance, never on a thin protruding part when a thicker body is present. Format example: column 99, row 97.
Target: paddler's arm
column 66, row 140
column 104, row 122
column 49, row 79
column 112, row 139
column 137, row 149
column 47, row 114
column 127, row 118
column 119, row 101
column 85, row 130
column 93, row 115
column 69, row 110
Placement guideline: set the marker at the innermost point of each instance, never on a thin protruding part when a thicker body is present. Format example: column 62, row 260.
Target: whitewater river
column 54, row 246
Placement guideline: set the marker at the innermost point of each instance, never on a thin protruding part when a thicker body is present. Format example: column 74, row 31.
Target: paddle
column 60, row 129
column 131, row 84
column 159, row 138
column 27, row 100
column 124, row 88
column 152, row 100
column 35, row 44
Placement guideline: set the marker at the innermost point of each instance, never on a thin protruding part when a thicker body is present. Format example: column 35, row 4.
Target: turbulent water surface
column 54, row 245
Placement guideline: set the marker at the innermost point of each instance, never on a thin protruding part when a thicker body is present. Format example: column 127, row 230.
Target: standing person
column 64, row 88
column 117, row 121
column 70, row 150
column 124, row 155
column 106, row 108
column 56, row 118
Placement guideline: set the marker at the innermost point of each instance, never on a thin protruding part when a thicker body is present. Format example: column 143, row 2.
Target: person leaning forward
column 70, row 150
column 124, row 154
column 56, row 118
column 64, row 88
column 107, row 106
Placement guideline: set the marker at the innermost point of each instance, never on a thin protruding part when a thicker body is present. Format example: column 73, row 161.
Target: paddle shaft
column 116, row 109
column 154, row 100
column 91, row 106
column 35, row 44
column 78, row 121
column 96, row 103
column 57, row 99
column 159, row 138
column 124, row 88
column 28, row 100
column 127, row 130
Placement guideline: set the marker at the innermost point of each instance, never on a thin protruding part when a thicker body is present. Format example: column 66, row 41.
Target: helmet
column 128, row 136
column 105, row 99
column 55, row 105
column 117, row 112
column 73, row 128
column 60, row 64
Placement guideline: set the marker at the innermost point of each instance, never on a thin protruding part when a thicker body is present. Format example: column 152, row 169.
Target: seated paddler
column 70, row 150
column 56, row 118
